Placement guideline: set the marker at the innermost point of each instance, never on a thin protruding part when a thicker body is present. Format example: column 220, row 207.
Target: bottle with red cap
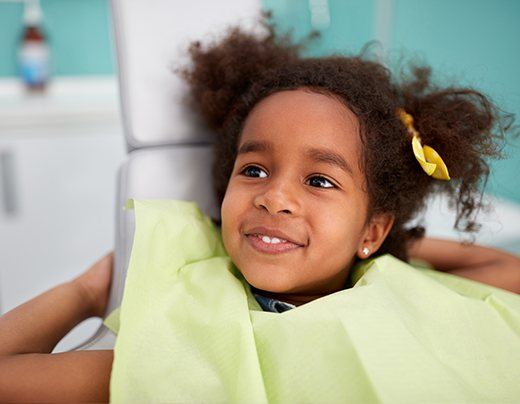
column 33, row 55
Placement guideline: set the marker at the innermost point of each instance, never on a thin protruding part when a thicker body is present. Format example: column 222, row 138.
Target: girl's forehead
column 300, row 119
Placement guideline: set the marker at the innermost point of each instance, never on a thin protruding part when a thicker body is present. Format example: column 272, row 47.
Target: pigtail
column 466, row 129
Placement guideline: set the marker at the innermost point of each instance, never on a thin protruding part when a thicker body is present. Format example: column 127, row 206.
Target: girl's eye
column 320, row 182
column 254, row 171
column 315, row 181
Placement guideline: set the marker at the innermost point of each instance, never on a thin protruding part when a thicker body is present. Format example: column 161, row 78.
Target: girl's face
column 294, row 213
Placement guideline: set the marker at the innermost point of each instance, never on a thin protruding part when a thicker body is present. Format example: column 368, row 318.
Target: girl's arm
column 29, row 333
column 482, row 264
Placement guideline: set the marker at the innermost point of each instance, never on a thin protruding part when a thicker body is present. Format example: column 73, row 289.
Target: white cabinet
column 57, row 188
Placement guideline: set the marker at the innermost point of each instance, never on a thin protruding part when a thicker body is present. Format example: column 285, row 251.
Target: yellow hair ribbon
column 430, row 161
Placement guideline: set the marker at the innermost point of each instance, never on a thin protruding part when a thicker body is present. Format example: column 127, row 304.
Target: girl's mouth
column 270, row 245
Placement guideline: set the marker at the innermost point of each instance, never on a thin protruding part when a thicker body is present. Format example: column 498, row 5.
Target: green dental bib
column 190, row 331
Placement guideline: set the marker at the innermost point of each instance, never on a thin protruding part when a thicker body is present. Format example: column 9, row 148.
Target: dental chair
column 169, row 148
column 170, row 153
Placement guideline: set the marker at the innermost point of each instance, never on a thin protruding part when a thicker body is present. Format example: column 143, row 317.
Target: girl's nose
column 277, row 197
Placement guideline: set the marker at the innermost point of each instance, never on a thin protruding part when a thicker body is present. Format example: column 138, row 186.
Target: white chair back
column 170, row 149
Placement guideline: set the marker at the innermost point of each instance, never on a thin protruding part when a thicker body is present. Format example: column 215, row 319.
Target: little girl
column 321, row 163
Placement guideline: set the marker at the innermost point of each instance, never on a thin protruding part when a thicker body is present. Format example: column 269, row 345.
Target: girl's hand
column 94, row 284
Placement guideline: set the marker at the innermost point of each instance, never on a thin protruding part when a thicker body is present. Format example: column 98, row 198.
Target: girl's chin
column 267, row 280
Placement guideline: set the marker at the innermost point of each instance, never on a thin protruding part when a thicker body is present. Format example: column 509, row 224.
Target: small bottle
column 33, row 55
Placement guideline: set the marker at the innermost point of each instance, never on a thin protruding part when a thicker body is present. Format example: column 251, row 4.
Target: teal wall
column 471, row 42
column 79, row 36
column 352, row 23
column 477, row 42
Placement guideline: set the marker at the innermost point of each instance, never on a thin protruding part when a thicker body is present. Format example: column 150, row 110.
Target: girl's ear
column 375, row 233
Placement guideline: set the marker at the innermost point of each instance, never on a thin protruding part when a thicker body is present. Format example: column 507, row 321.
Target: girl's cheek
column 227, row 226
column 231, row 207
column 235, row 196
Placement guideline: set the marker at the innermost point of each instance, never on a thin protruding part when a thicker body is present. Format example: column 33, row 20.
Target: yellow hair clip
column 427, row 157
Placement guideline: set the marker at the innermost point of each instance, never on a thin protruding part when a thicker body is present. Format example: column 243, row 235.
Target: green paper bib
column 190, row 331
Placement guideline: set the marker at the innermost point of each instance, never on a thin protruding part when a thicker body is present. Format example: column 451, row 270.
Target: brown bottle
column 33, row 55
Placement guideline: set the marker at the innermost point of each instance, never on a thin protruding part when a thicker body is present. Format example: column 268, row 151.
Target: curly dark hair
column 231, row 75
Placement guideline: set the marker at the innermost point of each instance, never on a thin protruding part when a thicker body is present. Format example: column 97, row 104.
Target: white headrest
column 151, row 38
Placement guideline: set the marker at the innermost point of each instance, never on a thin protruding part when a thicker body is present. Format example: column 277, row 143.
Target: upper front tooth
column 271, row 240
column 266, row 239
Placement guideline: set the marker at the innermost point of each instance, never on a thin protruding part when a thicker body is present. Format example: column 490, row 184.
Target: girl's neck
column 297, row 300
column 300, row 298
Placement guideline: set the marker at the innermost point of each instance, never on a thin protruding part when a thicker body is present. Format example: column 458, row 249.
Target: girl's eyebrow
column 252, row 146
column 321, row 155
column 329, row 157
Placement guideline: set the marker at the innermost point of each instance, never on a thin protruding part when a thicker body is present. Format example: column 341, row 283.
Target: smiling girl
column 315, row 173
column 303, row 194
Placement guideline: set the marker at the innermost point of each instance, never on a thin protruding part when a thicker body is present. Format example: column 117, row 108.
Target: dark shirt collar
column 273, row 305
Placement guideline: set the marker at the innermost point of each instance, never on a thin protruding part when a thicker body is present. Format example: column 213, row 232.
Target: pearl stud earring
column 366, row 250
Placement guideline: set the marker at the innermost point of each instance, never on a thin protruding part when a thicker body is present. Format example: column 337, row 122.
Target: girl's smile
column 295, row 210
column 272, row 241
